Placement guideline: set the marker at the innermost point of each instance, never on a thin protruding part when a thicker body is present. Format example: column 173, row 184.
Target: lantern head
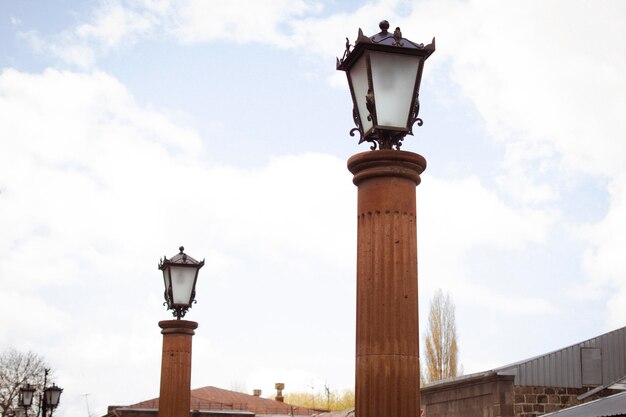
column 26, row 395
column 53, row 395
column 180, row 274
column 384, row 74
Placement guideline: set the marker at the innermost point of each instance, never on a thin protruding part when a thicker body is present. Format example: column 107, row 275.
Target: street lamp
column 26, row 395
column 180, row 274
column 49, row 400
column 52, row 395
column 384, row 74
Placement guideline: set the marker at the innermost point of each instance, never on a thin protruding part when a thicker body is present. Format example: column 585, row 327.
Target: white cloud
column 95, row 188
column 524, row 167
column 119, row 23
column 238, row 21
column 603, row 261
column 325, row 36
column 113, row 24
column 462, row 214
column 63, row 47
column 546, row 72
column 39, row 321
column 460, row 218
column 295, row 24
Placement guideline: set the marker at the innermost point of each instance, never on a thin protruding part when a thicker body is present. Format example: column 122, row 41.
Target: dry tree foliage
column 16, row 370
column 332, row 400
column 441, row 359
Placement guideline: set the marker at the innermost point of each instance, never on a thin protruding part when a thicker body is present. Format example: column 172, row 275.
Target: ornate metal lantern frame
column 372, row 63
column 53, row 395
column 182, row 270
column 27, row 392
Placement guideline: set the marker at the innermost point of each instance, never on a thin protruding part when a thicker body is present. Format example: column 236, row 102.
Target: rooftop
column 213, row 398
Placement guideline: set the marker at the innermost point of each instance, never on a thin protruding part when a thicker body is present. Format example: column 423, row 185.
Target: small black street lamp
column 180, row 274
column 49, row 400
column 52, row 395
column 26, row 395
column 384, row 73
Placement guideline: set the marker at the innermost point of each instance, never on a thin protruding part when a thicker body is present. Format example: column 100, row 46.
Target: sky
column 129, row 128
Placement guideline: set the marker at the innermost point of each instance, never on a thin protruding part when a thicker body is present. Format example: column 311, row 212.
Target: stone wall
column 487, row 395
column 535, row 401
column 492, row 395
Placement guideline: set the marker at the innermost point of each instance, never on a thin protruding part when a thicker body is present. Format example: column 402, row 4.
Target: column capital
column 386, row 163
column 178, row 327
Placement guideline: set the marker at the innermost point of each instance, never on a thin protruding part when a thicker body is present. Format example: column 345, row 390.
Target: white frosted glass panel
column 358, row 76
column 52, row 396
column 182, row 283
column 393, row 77
column 27, row 398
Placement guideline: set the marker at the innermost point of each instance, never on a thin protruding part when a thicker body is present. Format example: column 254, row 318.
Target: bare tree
column 16, row 370
column 440, row 340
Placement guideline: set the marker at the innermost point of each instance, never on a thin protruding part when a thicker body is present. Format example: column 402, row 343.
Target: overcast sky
column 129, row 128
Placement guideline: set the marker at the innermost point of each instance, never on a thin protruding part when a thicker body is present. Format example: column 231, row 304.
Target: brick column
column 175, row 395
column 387, row 334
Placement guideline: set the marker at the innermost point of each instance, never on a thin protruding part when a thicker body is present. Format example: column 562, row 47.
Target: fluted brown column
column 387, row 334
column 175, row 394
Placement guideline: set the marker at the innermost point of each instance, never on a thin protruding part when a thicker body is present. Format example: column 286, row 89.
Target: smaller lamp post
column 49, row 399
column 384, row 74
column 180, row 274
column 26, row 395
column 52, row 395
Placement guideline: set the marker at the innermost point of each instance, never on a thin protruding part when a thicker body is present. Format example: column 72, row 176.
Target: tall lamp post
column 180, row 274
column 48, row 401
column 384, row 73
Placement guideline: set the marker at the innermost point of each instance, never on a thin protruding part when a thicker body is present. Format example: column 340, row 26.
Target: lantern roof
column 384, row 40
column 28, row 387
column 180, row 258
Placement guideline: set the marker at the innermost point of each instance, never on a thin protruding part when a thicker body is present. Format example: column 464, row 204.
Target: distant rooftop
column 597, row 362
column 215, row 399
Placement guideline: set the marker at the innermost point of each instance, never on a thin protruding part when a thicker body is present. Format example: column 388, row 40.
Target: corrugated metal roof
column 564, row 367
column 612, row 406
column 597, row 361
